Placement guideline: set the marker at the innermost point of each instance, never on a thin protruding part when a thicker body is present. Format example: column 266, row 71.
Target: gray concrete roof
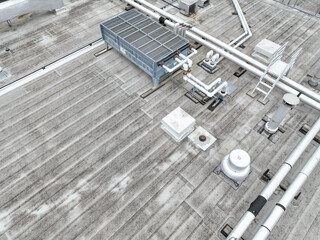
column 82, row 155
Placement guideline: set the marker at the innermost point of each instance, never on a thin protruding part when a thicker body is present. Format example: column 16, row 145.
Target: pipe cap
column 291, row 99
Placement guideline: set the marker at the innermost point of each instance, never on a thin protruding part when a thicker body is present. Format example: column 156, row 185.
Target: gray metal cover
column 147, row 36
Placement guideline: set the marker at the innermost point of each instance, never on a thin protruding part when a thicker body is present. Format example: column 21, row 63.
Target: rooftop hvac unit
column 188, row 7
column 145, row 42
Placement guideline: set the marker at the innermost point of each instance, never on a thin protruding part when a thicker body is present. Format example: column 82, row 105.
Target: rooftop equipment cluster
column 230, row 52
column 237, row 163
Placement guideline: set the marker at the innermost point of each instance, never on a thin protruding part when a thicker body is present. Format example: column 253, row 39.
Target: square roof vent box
column 178, row 124
column 188, row 7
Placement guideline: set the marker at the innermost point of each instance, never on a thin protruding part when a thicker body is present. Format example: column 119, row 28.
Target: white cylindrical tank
column 236, row 165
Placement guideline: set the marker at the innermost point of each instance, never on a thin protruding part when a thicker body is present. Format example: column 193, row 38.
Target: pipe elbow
column 215, row 58
column 209, row 55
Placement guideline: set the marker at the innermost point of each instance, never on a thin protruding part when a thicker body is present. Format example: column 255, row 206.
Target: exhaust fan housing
column 236, row 165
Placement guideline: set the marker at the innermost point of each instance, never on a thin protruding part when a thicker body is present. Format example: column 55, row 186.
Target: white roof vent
column 236, row 165
column 178, row 124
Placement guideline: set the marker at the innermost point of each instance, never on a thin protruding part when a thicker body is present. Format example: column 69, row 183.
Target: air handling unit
column 145, row 42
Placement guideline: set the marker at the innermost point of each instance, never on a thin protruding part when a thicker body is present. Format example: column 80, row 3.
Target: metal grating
column 146, row 35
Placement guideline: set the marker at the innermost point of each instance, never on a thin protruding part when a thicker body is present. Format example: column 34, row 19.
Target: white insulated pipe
column 291, row 160
column 247, row 32
column 186, row 59
column 209, row 55
column 214, row 58
column 275, row 215
column 273, row 184
column 189, row 78
column 202, row 84
column 308, row 96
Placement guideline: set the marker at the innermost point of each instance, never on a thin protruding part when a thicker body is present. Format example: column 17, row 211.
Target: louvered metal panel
column 144, row 41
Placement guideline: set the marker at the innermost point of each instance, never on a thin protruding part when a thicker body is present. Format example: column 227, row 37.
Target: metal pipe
column 275, row 215
column 207, row 87
column 273, row 184
column 209, row 55
column 189, row 78
column 180, row 62
column 226, row 50
column 247, row 32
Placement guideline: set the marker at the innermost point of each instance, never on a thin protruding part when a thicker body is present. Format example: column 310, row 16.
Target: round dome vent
column 236, row 165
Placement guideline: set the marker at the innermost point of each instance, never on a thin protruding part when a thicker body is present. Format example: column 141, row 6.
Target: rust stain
column 24, row 15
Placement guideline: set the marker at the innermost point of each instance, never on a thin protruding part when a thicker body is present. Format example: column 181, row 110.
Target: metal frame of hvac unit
column 145, row 42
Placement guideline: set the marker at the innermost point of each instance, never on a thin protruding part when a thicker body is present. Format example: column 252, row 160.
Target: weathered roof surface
column 83, row 156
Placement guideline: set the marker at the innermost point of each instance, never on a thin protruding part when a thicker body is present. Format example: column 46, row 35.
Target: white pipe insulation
column 199, row 82
column 275, row 215
column 273, row 184
column 247, row 32
column 306, row 95
column 209, row 55
column 186, row 59
column 196, row 83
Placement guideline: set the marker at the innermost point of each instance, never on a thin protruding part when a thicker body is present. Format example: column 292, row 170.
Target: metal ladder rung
column 266, row 85
column 264, row 92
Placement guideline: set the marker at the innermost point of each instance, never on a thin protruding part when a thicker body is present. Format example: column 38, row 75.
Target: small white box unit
column 188, row 7
column 178, row 124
